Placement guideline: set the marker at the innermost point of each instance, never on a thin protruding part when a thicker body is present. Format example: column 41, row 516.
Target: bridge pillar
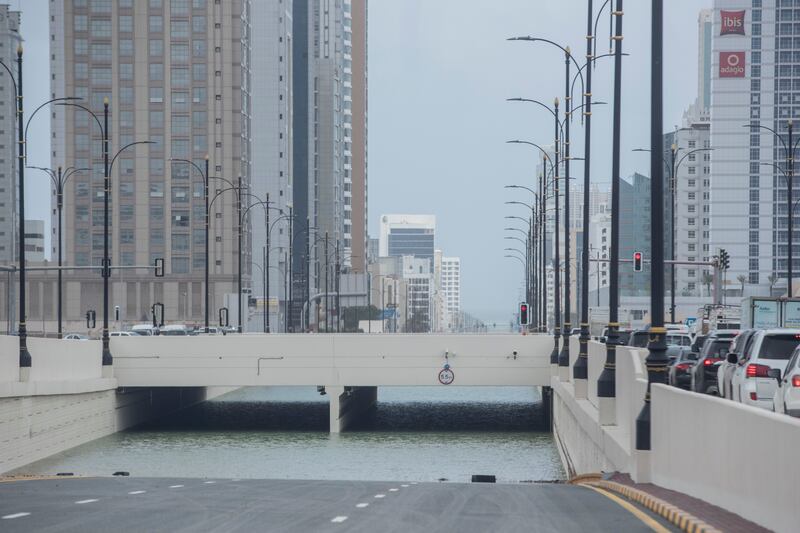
column 347, row 404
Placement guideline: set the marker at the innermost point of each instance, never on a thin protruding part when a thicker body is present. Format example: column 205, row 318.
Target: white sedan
column 787, row 392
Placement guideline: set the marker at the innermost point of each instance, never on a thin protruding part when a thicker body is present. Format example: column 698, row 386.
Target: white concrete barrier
column 740, row 458
column 9, row 358
column 597, row 361
column 54, row 359
column 331, row 360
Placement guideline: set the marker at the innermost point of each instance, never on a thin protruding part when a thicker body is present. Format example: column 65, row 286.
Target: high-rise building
column 755, row 81
column 402, row 235
column 358, row 152
column 34, row 241
column 272, row 94
column 451, row 292
column 176, row 74
column 330, row 121
column 9, row 42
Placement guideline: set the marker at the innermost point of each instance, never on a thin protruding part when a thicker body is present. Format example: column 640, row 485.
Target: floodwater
column 414, row 434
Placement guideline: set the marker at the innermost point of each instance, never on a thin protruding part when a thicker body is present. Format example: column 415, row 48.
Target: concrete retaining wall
column 738, row 457
column 35, row 427
column 586, row 445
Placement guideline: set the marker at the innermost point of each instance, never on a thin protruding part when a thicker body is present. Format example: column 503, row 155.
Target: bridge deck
column 341, row 359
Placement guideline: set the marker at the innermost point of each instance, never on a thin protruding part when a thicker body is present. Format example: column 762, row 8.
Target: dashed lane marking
column 176, row 486
column 380, row 495
column 393, row 490
column 339, row 519
column 209, row 482
column 404, row 486
column 81, row 502
column 15, row 515
column 137, row 492
column 361, row 505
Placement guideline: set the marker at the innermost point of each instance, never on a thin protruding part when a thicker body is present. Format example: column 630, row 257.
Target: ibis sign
column 731, row 22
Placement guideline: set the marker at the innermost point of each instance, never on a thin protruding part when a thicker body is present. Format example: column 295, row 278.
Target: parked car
column 145, row 329
column 714, row 350
column 726, row 368
column 787, row 387
column 75, row 337
column 680, row 370
column 123, row 334
column 174, row 329
column 771, row 348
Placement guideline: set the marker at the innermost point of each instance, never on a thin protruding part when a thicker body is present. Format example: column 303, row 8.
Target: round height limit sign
column 446, row 375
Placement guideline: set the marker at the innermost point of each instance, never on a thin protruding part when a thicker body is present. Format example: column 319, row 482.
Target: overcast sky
column 439, row 74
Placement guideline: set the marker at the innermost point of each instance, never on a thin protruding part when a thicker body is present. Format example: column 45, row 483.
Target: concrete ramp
column 332, row 360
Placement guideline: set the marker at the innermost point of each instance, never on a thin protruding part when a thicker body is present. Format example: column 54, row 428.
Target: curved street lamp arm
column 517, row 229
column 522, row 187
column 569, row 116
column 513, row 238
column 219, row 193
column 544, row 152
column 525, row 220
column 70, row 171
column 687, row 154
column 515, row 202
column 588, row 62
column 181, row 160
column 51, row 101
column 94, row 115
column 775, row 133
column 563, row 49
column 522, row 255
column 113, row 159
column 596, row 21
column 517, row 258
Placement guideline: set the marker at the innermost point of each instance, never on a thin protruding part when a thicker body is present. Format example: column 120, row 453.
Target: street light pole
column 556, row 255
column 107, row 360
column 239, row 250
column 563, row 358
column 580, row 371
column 790, row 207
column 208, row 224
column 657, row 357
column 606, row 383
column 24, row 355
column 266, row 270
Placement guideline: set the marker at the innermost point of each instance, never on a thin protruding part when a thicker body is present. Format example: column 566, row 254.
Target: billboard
column 731, row 22
column 731, row 64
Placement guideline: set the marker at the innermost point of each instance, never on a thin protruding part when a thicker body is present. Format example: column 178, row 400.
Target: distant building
column 402, row 235
column 9, row 41
column 34, row 241
column 451, row 293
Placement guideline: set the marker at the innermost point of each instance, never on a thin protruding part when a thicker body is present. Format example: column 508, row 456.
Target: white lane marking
column 393, row 490
column 15, row 515
column 380, row 495
column 404, row 486
column 413, row 482
column 209, row 482
column 81, row 502
column 339, row 519
column 137, row 492
column 361, row 505
column 176, row 486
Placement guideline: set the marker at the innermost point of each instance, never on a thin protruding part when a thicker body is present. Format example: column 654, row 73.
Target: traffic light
column 724, row 259
column 637, row 261
column 159, row 267
column 524, row 315
column 91, row 319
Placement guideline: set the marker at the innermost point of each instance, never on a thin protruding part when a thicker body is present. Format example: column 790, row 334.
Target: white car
column 771, row 348
column 75, row 337
column 787, row 391
column 740, row 345
column 145, row 329
column 123, row 334
column 174, row 329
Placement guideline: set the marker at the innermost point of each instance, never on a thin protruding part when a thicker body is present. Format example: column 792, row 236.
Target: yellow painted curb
column 683, row 520
column 11, row 479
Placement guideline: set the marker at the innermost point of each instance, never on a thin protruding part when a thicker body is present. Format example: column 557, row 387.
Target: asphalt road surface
column 161, row 504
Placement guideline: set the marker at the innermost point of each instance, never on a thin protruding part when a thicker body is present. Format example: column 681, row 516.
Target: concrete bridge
column 350, row 367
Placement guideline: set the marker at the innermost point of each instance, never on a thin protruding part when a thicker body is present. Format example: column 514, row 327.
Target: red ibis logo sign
column 731, row 22
column 731, row 64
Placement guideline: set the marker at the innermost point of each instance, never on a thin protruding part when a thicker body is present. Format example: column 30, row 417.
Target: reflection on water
column 419, row 434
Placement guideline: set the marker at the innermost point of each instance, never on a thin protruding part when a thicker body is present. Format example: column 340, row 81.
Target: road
column 161, row 504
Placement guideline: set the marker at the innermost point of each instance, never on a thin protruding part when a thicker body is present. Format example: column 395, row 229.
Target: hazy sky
column 439, row 74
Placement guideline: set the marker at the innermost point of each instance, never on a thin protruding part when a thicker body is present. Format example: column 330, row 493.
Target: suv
column 787, row 392
column 727, row 367
column 770, row 349
column 714, row 350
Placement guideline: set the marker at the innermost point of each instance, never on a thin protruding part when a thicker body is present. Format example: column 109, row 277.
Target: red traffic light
column 637, row 261
column 524, row 315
